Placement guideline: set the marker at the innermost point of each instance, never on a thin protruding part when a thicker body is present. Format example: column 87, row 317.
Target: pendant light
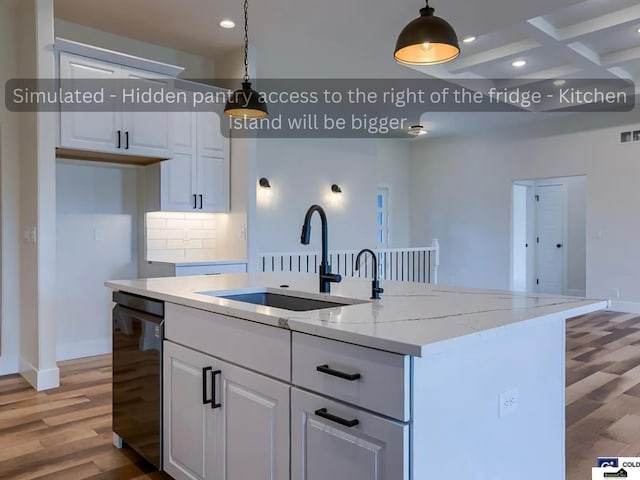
column 246, row 102
column 427, row 40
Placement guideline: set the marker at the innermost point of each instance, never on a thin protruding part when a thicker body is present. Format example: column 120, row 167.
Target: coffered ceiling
column 559, row 39
column 591, row 39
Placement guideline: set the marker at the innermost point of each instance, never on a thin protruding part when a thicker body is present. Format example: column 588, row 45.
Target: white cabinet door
column 246, row 435
column 177, row 174
column 212, row 164
column 189, row 422
column 93, row 131
column 146, row 133
column 372, row 448
column 255, row 426
column 176, row 190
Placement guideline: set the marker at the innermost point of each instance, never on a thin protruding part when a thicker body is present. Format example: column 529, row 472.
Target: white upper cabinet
column 122, row 130
column 90, row 130
column 197, row 177
column 212, row 162
column 146, row 133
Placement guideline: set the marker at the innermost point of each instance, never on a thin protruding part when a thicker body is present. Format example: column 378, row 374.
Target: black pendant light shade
column 246, row 102
column 427, row 40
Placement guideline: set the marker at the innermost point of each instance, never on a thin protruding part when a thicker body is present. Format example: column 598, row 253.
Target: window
column 382, row 220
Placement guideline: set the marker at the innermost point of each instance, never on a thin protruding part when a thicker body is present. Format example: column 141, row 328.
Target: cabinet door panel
column 94, row 131
column 212, row 166
column 374, row 449
column 148, row 131
column 213, row 183
column 176, row 180
column 212, row 142
column 189, row 425
column 256, row 426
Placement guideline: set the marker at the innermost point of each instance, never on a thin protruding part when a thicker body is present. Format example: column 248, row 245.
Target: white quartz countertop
column 409, row 319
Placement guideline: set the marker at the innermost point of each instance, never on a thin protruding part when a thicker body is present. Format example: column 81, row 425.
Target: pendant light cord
column 246, row 40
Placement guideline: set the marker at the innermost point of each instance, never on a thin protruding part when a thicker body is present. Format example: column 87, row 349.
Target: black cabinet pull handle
column 126, row 139
column 201, row 200
column 119, row 138
column 214, row 403
column 205, row 400
column 347, row 423
column 559, row 245
column 330, row 371
column 195, row 201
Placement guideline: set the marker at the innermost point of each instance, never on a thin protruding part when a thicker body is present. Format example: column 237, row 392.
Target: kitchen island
column 428, row 382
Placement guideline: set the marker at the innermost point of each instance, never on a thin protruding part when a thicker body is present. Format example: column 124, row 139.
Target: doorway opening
column 549, row 236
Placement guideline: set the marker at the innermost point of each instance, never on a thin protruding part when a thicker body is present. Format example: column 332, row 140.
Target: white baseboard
column 9, row 365
column 39, row 379
column 625, row 307
column 88, row 348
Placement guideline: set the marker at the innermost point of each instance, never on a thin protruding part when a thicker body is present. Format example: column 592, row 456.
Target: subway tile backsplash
column 181, row 237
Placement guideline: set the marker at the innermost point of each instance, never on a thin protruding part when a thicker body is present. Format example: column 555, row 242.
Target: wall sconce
column 336, row 189
column 264, row 183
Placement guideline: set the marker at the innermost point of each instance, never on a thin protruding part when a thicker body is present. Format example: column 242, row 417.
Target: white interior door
column 550, row 235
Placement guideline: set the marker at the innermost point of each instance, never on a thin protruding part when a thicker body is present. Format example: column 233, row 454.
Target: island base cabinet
column 222, row 421
column 332, row 440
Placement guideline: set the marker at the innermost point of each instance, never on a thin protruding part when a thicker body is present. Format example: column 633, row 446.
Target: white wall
column 195, row 66
column 461, row 194
column 96, row 241
column 301, row 172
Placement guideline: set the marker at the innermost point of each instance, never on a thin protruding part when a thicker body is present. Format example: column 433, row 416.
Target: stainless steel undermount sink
column 285, row 300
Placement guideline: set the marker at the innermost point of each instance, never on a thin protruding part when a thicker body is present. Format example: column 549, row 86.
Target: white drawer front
column 330, row 440
column 383, row 378
column 184, row 270
column 258, row 347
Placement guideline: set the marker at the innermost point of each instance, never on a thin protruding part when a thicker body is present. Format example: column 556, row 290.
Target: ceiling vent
column 630, row 136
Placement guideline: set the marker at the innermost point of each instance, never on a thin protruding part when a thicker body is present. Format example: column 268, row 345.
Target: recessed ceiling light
column 227, row 23
column 559, row 82
column 638, row 30
column 519, row 63
column 469, row 39
column 417, row 130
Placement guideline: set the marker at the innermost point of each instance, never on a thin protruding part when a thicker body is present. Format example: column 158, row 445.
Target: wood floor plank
column 77, row 472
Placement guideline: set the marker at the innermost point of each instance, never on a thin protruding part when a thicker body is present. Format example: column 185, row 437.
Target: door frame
column 531, row 212
column 530, row 235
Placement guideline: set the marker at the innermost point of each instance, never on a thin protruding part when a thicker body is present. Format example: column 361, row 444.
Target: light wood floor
column 603, row 390
column 65, row 434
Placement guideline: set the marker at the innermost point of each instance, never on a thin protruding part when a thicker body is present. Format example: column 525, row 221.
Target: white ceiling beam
column 621, row 56
column 511, row 49
column 577, row 54
column 585, row 52
column 621, row 73
column 552, row 73
column 610, row 20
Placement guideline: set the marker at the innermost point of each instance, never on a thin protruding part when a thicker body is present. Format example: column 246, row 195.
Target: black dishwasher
column 138, row 331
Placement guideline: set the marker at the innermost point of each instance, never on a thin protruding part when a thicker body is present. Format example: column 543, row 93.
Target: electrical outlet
column 615, row 293
column 508, row 402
